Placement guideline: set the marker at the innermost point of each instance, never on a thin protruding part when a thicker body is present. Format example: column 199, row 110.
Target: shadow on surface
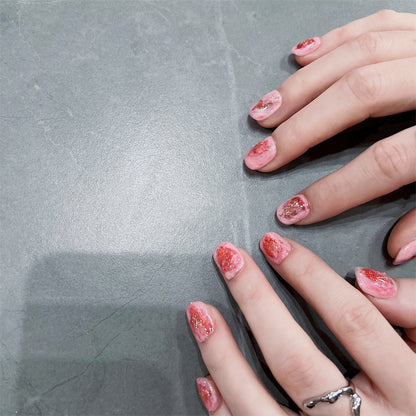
column 96, row 342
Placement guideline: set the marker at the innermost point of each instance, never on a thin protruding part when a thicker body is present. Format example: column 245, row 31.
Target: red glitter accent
column 225, row 258
column 381, row 279
column 293, row 207
column 200, row 322
column 305, row 43
column 271, row 246
column 263, row 105
column 259, row 148
column 206, row 394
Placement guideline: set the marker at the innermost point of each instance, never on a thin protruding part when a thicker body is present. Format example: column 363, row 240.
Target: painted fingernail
column 275, row 247
column 228, row 259
column 406, row 253
column 307, row 46
column 209, row 394
column 261, row 154
column 293, row 210
column 375, row 283
column 266, row 105
column 200, row 320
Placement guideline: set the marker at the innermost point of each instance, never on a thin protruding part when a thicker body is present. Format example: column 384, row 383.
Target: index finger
column 383, row 20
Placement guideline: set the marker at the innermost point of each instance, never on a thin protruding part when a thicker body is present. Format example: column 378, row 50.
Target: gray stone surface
column 123, row 129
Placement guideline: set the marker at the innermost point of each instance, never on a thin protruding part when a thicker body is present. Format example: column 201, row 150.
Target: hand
column 364, row 69
column 358, row 318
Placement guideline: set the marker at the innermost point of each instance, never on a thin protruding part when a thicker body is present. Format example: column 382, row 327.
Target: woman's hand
column 358, row 318
column 364, row 69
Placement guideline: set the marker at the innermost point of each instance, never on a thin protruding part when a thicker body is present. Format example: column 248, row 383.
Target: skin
column 370, row 63
column 361, row 323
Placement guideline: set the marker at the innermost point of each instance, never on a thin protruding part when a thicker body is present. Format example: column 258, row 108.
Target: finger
column 298, row 366
column 211, row 397
column 371, row 91
column 384, row 20
column 394, row 298
column 307, row 83
column 402, row 241
column 385, row 166
column 362, row 330
column 235, row 379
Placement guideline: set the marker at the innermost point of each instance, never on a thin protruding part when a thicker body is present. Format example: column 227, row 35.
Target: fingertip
column 401, row 244
column 209, row 393
column 261, row 154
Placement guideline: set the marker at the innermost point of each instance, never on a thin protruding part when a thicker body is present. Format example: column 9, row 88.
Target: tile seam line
column 234, row 105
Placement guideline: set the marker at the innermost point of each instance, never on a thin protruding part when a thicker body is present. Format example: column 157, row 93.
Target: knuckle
column 365, row 84
column 251, row 296
column 392, row 160
column 368, row 44
column 356, row 321
column 386, row 14
column 298, row 371
column 343, row 33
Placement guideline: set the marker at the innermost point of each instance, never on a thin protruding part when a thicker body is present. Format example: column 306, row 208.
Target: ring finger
column 357, row 324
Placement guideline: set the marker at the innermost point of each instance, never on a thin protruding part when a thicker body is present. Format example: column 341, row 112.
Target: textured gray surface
column 123, row 129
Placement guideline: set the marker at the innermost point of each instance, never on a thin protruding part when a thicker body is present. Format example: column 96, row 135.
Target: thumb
column 402, row 241
column 394, row 298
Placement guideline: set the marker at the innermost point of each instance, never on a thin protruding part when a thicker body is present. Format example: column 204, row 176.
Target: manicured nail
column 261, row 154
column 375, row 283
column 200, row 320
column 293, row 210
column 209, row 394
column 266, row 105
column 408, row 252
column 307, row 46
column 275, row 247
column 228, row 259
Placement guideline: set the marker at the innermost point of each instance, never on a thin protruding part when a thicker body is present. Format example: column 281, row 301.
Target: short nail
column 375, row 283
column 275, row 247
column 209, row 394
column 307, row 46
column 406, row 253
column 261, row 154
column 293, row 210
column 228, row 259
column 266, row 105
column 200, row 320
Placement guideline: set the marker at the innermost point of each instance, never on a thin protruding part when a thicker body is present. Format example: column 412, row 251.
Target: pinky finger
column 240, row 388
column 211, row 397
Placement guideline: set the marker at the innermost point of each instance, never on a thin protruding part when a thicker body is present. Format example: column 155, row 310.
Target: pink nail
column 228, row 259
column 307, row 46
column 261, row 154
column 275, row 247
column 375, row 283
column 209, row 394
column 266, row 105
column 406, row 253
column 200, row 320
column 293, row 210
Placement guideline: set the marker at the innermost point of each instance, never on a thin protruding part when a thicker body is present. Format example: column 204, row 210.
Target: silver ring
column 333, row 396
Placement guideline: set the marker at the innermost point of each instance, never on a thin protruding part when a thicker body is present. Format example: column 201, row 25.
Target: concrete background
column 123, row 130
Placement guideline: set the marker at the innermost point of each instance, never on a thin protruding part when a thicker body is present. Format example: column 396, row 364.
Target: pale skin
column 377, row 79
column 387, row 381
column 364, row 69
